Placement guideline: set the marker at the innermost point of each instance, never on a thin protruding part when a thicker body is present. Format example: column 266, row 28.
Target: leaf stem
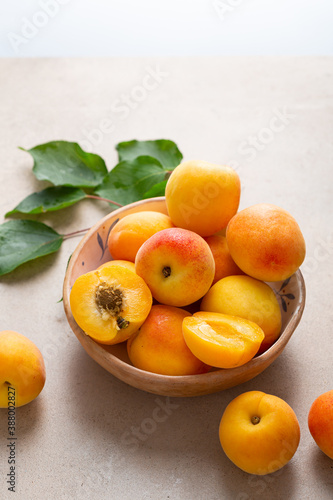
column 74, row 233
column 103, row 199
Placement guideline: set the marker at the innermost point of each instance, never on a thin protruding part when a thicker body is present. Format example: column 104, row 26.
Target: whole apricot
column 250, row 299
column 320, row 421
column 202, row 196
column 159, row 346
column 224, row 263
column 177, row 265
column 22, row 370
column 127, row 236
column 110, row 304
column 259, row 432
column 266, row 242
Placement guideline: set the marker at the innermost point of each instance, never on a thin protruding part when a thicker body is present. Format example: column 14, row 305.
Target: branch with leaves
column 142, row 172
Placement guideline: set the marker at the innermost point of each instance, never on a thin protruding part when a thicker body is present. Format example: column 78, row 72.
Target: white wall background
column 165, row 27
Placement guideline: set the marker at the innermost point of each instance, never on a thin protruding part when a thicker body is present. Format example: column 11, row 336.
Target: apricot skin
column 320, row 422
column 224, row 263
column 21, row 367
column 202, row 196
column 263, row 447
column 186, row 259
column 159, row 346
column 127, row 236
column 266, row 242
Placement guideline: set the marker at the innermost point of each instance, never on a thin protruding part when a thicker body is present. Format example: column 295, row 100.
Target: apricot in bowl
column 89, row 255
column 111, row 303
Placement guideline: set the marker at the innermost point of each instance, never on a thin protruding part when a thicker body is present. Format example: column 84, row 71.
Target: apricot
column 259, row 432
column 177, row 265
column 127, row 236
column 221, row 340
column 110, row 304
column 122, row 263
column 320, row 422
column 224, row 263
column 22, row 370
column 202, row 196
column 266, row 242
column 250, row 299
column 159, row 346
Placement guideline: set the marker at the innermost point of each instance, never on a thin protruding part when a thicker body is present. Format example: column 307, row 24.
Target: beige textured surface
column 88, row 435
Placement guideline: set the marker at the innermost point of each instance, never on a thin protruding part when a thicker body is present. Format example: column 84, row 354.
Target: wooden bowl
column 92, row 251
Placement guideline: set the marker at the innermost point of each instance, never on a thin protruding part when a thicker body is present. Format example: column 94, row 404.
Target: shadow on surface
column 149, row 433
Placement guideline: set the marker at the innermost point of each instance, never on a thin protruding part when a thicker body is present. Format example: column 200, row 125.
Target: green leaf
column 49, row 200
column 65, row 164
column 165, row 151
column 25, row 240
column 157, row 190
column 130, row 180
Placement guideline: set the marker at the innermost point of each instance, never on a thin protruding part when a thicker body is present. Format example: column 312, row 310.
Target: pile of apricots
column 187, row 289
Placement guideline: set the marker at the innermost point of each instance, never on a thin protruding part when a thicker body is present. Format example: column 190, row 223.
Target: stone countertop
column 88, row 435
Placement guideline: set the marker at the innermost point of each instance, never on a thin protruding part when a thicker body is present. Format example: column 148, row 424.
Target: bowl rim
column 122, row 369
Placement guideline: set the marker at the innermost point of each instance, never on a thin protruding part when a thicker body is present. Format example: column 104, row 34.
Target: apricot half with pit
column 110, row 304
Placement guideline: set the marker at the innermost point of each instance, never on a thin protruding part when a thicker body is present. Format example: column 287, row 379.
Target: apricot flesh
column 110, row 304
column 130, row 232
column 250, row 299
column 266, row 242
column 202, row 196
column 159, row 346
column 221, row 340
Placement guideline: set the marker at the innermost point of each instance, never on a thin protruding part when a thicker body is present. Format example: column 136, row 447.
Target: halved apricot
column 221, row 340
column 110, row 304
